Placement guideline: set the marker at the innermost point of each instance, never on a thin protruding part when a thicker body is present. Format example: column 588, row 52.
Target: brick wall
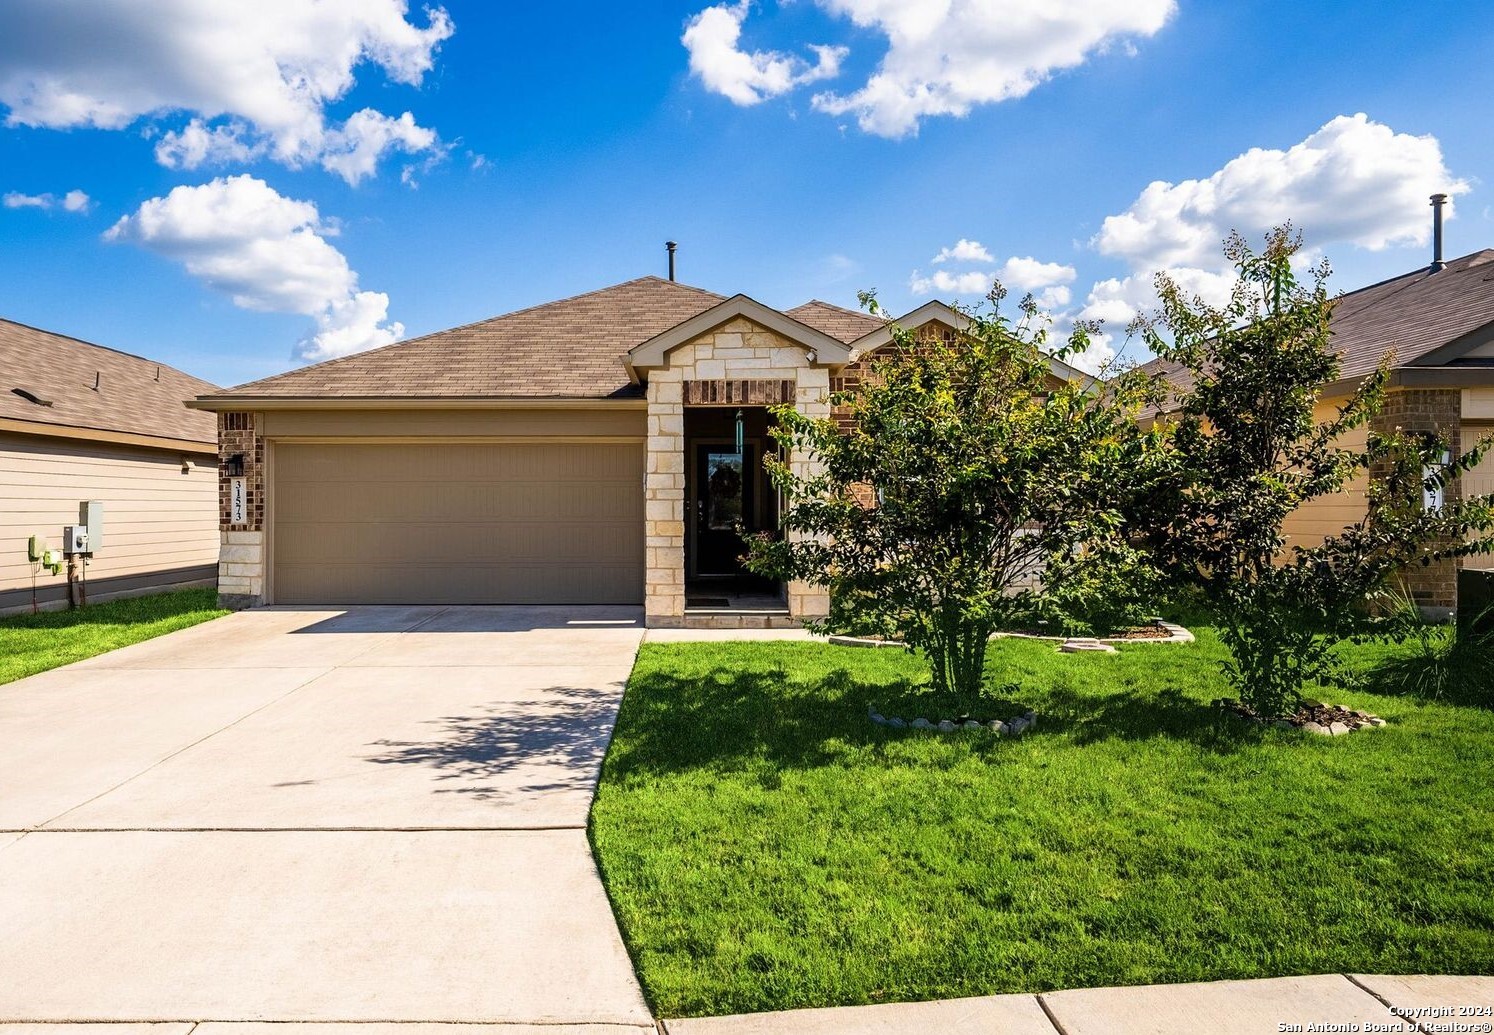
column 241, row 558
column 1440, row 411
column 852, row 374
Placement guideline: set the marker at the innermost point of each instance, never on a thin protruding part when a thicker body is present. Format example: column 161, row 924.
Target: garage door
column 458, row 523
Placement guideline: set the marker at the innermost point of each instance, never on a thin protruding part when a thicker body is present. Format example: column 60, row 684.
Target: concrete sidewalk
column 1332, row 1002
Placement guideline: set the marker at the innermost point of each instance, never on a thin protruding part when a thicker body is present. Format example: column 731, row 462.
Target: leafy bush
column 1443, row 664
column 1247, row 450
column 1107, row 588
column 967, row 465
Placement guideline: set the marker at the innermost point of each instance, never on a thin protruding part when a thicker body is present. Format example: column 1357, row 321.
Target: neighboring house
column 600, row 449
column 81, row 422
column 1437, row 326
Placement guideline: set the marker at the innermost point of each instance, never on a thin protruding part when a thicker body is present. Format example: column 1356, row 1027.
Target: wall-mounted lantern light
column 234, row 466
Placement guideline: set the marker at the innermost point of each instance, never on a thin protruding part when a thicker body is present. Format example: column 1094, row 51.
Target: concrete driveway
column 365, row 815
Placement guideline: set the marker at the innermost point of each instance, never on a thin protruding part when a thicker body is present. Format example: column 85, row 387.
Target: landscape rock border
column 1066, row 644
column 1013, row 727
column 1327, row 720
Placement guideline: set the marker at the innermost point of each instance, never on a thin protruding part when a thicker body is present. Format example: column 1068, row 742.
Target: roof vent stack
column 670, row 246
column 1438, row 200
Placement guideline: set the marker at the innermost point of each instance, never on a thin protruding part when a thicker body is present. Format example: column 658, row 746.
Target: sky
column 239, row 188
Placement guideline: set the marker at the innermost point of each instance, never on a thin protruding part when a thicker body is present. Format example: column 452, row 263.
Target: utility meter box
column 74, row 540
column 91, row 517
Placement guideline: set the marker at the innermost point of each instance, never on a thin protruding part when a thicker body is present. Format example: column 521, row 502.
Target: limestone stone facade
column 738, row 352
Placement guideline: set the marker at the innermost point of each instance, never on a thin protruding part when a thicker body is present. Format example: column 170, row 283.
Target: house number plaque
column 236, row 507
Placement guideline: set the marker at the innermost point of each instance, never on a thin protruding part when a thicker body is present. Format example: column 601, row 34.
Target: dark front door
column 725, row 506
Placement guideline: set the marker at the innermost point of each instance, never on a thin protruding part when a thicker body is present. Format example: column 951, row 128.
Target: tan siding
column 401, row 423
column 1478, row 403
column 1480, row 480
column 1329, row 515
column 478, row 523
column 155, row 517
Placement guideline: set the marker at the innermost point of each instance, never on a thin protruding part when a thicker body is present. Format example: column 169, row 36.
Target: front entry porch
column 729, row 500
column 706, row 489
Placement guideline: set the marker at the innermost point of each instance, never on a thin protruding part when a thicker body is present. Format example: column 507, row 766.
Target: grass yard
column 767, row 847
column 34, row 643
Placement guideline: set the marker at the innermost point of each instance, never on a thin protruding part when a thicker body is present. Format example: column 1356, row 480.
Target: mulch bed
column 1312, row 716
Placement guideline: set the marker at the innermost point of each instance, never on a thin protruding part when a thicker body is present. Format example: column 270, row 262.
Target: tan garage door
column 458, row 523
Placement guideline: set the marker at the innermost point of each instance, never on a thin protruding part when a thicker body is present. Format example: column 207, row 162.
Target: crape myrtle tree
column 963, row 468
column 1246, row 448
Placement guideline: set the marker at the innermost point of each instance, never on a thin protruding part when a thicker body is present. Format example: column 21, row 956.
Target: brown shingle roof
column 843, row 324
column 1412, row 316
column 135, row 395
column 569, row 349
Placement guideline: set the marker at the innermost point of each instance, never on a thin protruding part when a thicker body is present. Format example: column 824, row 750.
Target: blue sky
column 552, row 151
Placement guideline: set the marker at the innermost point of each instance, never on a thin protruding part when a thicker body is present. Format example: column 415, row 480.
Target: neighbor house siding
column 1480, row 480
column 1317, row 519
column 160, row 524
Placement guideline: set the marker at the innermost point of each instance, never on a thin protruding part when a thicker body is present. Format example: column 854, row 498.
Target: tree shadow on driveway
column 552, row 743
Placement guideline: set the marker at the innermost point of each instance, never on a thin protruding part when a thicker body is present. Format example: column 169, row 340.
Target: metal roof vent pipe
column 1438, row 200
column 670, row 246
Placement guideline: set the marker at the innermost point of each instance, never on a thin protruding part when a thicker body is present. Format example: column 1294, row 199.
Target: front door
column 725, row 506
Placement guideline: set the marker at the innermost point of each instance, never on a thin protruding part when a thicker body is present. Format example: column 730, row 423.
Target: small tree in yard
column 965, row 467
column 1247, row 450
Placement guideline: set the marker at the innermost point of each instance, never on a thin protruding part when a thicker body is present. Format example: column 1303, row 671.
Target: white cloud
column 268, row 253
column 15, row 199
column 353, row 152
column 72, row 201
column 713, row 39
column 256, row 77
column 964, row 250
column 196, row 144
column 945, row 57
column 1028, row 274
column 975, row 282
column 1046, row 280
column 1353, row 181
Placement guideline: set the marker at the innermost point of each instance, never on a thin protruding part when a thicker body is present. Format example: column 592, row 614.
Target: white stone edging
column 1068, row 644
column 1011, row 727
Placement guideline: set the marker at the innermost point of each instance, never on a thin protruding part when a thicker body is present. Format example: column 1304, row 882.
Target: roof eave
column 238, row 403
column 946, row 314
column 653, row 353
column 108, row 436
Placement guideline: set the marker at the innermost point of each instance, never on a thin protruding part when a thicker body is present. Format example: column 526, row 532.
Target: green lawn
column 35, row 643
column 766, row 847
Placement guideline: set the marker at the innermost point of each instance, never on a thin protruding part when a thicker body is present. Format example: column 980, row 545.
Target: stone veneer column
column 812, row 398
column 738, row 350
column 241, row 555
column 1439, row 411
column 664, row 506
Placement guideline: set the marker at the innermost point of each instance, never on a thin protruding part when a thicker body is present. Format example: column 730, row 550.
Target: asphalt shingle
column 82, row 385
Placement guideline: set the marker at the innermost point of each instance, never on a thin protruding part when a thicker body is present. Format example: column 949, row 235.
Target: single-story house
column 80, row 422
column 601, row 449
column 1437, row 325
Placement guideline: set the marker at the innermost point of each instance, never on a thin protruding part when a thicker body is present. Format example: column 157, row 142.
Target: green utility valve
column 37, row 553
